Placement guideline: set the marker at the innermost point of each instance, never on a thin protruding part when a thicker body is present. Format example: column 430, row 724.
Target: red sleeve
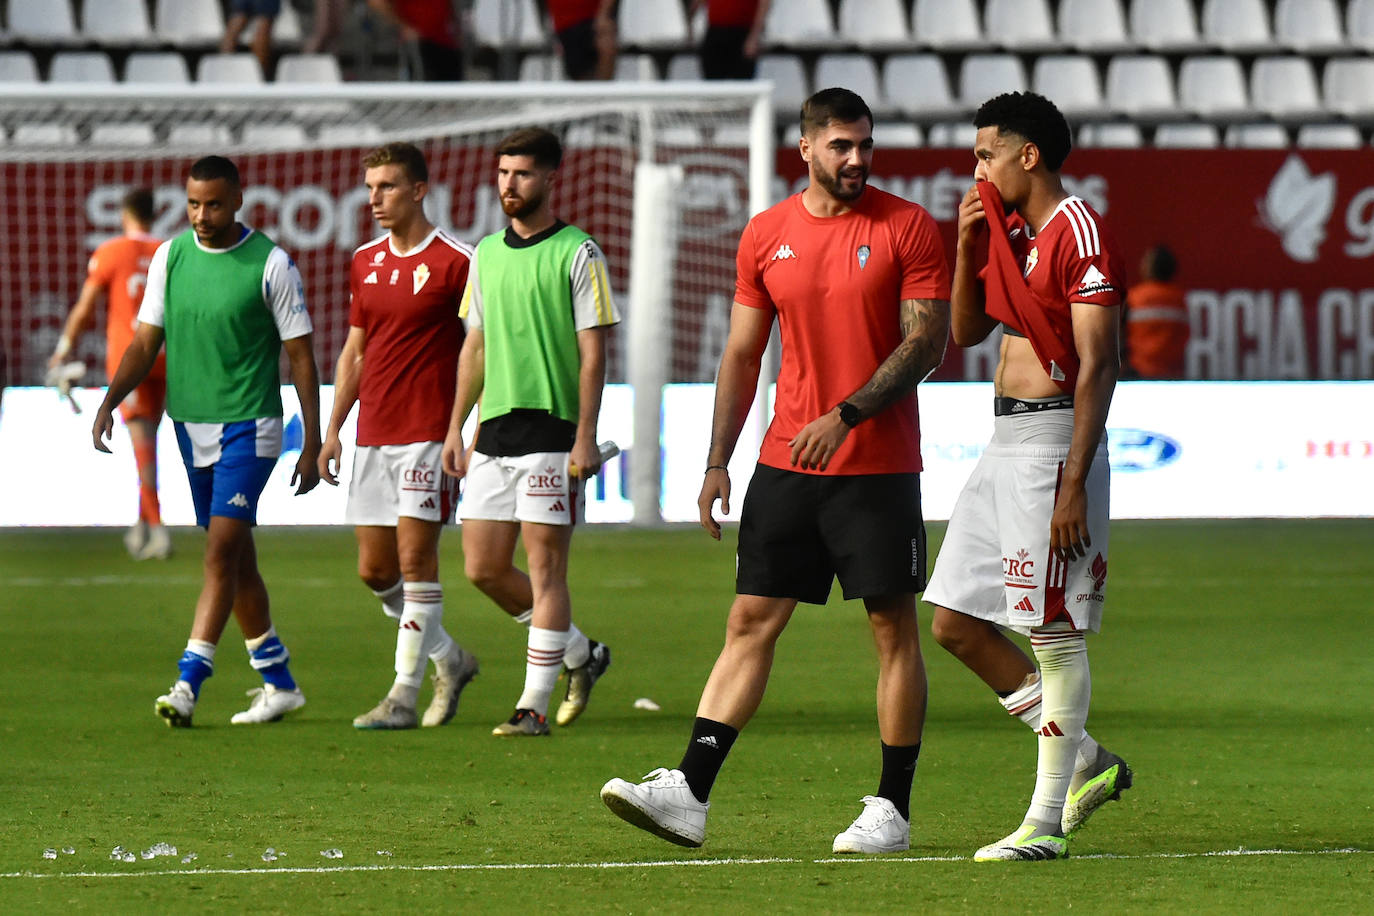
column 1094, row 279
column 101, row 268
column 749, row 288
column 925, row 272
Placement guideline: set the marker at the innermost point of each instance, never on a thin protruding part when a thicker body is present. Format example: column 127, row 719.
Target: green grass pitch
column 1234, row 672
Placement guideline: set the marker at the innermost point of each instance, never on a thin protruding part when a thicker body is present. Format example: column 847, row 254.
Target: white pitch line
column 676, row 863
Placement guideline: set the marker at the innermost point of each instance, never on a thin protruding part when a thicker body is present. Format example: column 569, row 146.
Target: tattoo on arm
column 925, row 324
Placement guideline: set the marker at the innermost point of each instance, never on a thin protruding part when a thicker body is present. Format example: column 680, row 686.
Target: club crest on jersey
column 419, row 278
column 1031, row 260
column 864, row 252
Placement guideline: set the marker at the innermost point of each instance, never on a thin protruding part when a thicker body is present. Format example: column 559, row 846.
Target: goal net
column 700, row 156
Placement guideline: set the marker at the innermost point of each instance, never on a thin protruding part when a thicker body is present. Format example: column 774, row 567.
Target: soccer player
column 226, row 300
column 857, row 281
column 538, row 307
column 399, row 362
column 1026, row 547
column 117, row 271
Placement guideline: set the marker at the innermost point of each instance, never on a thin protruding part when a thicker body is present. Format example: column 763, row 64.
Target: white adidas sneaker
column 878, row 829
column 269, row 705
column 663, row 805
column 177, row 705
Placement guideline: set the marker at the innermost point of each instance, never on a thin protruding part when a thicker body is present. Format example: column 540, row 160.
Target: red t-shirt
column 836, row 285
column 120, row 267
column 733, row 13
column 568, row 13
column 432, row 20
column 407, row 305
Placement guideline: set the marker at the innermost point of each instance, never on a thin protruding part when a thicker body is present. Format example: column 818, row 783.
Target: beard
column 832, row 183
column 521, row 207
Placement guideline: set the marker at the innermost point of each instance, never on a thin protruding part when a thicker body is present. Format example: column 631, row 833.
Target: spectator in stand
column 258, row 12
column 328, row 22
column 586, row 35
column 730, row 48
column 434, row 28
column 1156, row 319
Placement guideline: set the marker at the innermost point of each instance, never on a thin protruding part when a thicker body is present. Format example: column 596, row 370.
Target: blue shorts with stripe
column 229, row 465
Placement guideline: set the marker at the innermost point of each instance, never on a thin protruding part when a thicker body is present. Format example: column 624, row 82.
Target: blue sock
column 268, row 657
column 197, row 663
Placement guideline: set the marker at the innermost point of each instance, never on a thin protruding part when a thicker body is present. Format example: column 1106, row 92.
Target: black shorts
column 799, row 531
column 580, row 55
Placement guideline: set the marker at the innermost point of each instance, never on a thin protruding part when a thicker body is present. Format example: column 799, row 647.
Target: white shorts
column 995, row 561
column 390, row 481
column 522, row 488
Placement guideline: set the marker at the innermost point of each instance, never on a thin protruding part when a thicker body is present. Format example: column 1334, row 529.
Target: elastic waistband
column 1008, row 407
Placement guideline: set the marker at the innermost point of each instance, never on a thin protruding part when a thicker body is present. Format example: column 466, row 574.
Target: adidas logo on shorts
column 428, row 503
column 558, row 507
column 1025, row 605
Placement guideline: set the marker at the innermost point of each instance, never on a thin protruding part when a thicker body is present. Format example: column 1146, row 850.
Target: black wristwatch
column 849, row 414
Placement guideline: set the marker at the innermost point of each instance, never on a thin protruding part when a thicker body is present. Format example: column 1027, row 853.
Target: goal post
column 663, row 175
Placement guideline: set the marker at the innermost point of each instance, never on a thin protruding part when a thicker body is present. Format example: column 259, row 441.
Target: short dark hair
column 1161, row 264
column 213, row 168
column 138, row 203
column 1033, row 117
column 838, row 105
column 542, row 144
column 406, row 155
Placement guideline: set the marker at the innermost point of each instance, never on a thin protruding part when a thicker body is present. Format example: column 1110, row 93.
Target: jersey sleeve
column 284, row 294
column 101, row 267
column 749, row 288
column 1092, row 269
column 470, row 308
column 355, row 316
column 593, row 304
column 925, row 271
column 154, row 304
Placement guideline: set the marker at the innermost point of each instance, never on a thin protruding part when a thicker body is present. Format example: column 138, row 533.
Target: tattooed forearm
column 925, row 324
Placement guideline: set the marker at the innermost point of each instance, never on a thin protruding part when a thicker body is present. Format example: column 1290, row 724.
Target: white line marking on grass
column 674, row 863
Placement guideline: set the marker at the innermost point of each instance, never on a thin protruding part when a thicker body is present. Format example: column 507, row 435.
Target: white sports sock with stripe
column 1024, row 704
column 579, row 648
column 543, row 662
column 1066, row 693
column 417, row 635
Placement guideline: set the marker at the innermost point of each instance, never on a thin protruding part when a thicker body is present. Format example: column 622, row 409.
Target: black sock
column 899, row 767
column 705, row 754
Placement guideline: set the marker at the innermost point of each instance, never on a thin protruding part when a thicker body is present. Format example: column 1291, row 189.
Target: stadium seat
column 1255, row 136
column 982, row 76
column 636, row 68
column 308, row 68
column 286, row 28
column 81, row 67
column 46, row 22
column 897, row 135
column 1071, row 82
column 536, row 68
column 1359, row 24
column 1166, row 26
column 855, row 72
column 687, row 136
column 123, row 133
column 507, row 24
column 1213, row 87
column 791, row 85
column 799, row 24
column 947, row 25
column 199, row 136
column 1237, row 26
column 41, row 134
column 652, row 24
column 116, row 22
column 196, row 23
column 684, row 68
column 1094, row 26
column 1309, row 26
column 952, row 135
column 240, row 68
column 156, row 67
column 1329, row 136
column 1142, row 86
column 360, row 134
column 733, row 135
column 874, row 24
column 18, row 67
column 1189, row 135
column 1285, row 88
column 1020, row 25
column 1110, row 135
column 1348, row 87
column 918, row 86
column 279, row 136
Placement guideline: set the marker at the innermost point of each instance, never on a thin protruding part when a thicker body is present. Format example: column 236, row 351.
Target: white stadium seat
column 1020, row 25
column 199, row 136
column 42, row 22
column 240, row 68
column 1285, row 88
column 507, row 24
column 791, row 85
column 1329, row 136
column 799, row 24
column 918, row 85
column 1071, row 82
column 1142, row 86
column 156, row 67
column 280, row 136
column 1188, row 135
column 952, row 135
column 541, row 68
column 36, row 134
column 1166, row 26
column 1213, row 87
column 361, row 134
column 982, row 76
column 1110, row 135
column 123, row 133
column 897, row 135
column 1237, row 26
column 189, row 22
column 308, row 68
column 636, row 68
column 81, row 67
column 947, row 25
column 1256, row 135
column 1309, row 26
column 1359, row 24
column 18, row 67
column 1094, row 26
column 874, row 24
column 684, row 68
column 855, row 72
column 116, row 22
column 652, row 24
column 1348, row 87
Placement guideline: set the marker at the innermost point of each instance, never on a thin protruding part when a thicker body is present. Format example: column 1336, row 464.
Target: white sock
column 421, row 621
column 578, row 650
column 543, row 662
column 393, row 599
column 1066, row 693
column 1024, row 704
column 205, row 650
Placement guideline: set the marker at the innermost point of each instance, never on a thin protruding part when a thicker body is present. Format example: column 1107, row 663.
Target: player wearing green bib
column 538, row 306
column 226, row 301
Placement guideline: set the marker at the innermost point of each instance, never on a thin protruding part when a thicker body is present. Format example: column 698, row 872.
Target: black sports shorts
column 799, row 531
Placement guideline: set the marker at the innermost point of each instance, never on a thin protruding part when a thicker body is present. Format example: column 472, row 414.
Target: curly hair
column 1032, row 117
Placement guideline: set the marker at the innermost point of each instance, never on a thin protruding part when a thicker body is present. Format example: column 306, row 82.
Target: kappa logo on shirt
column 784, row 252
